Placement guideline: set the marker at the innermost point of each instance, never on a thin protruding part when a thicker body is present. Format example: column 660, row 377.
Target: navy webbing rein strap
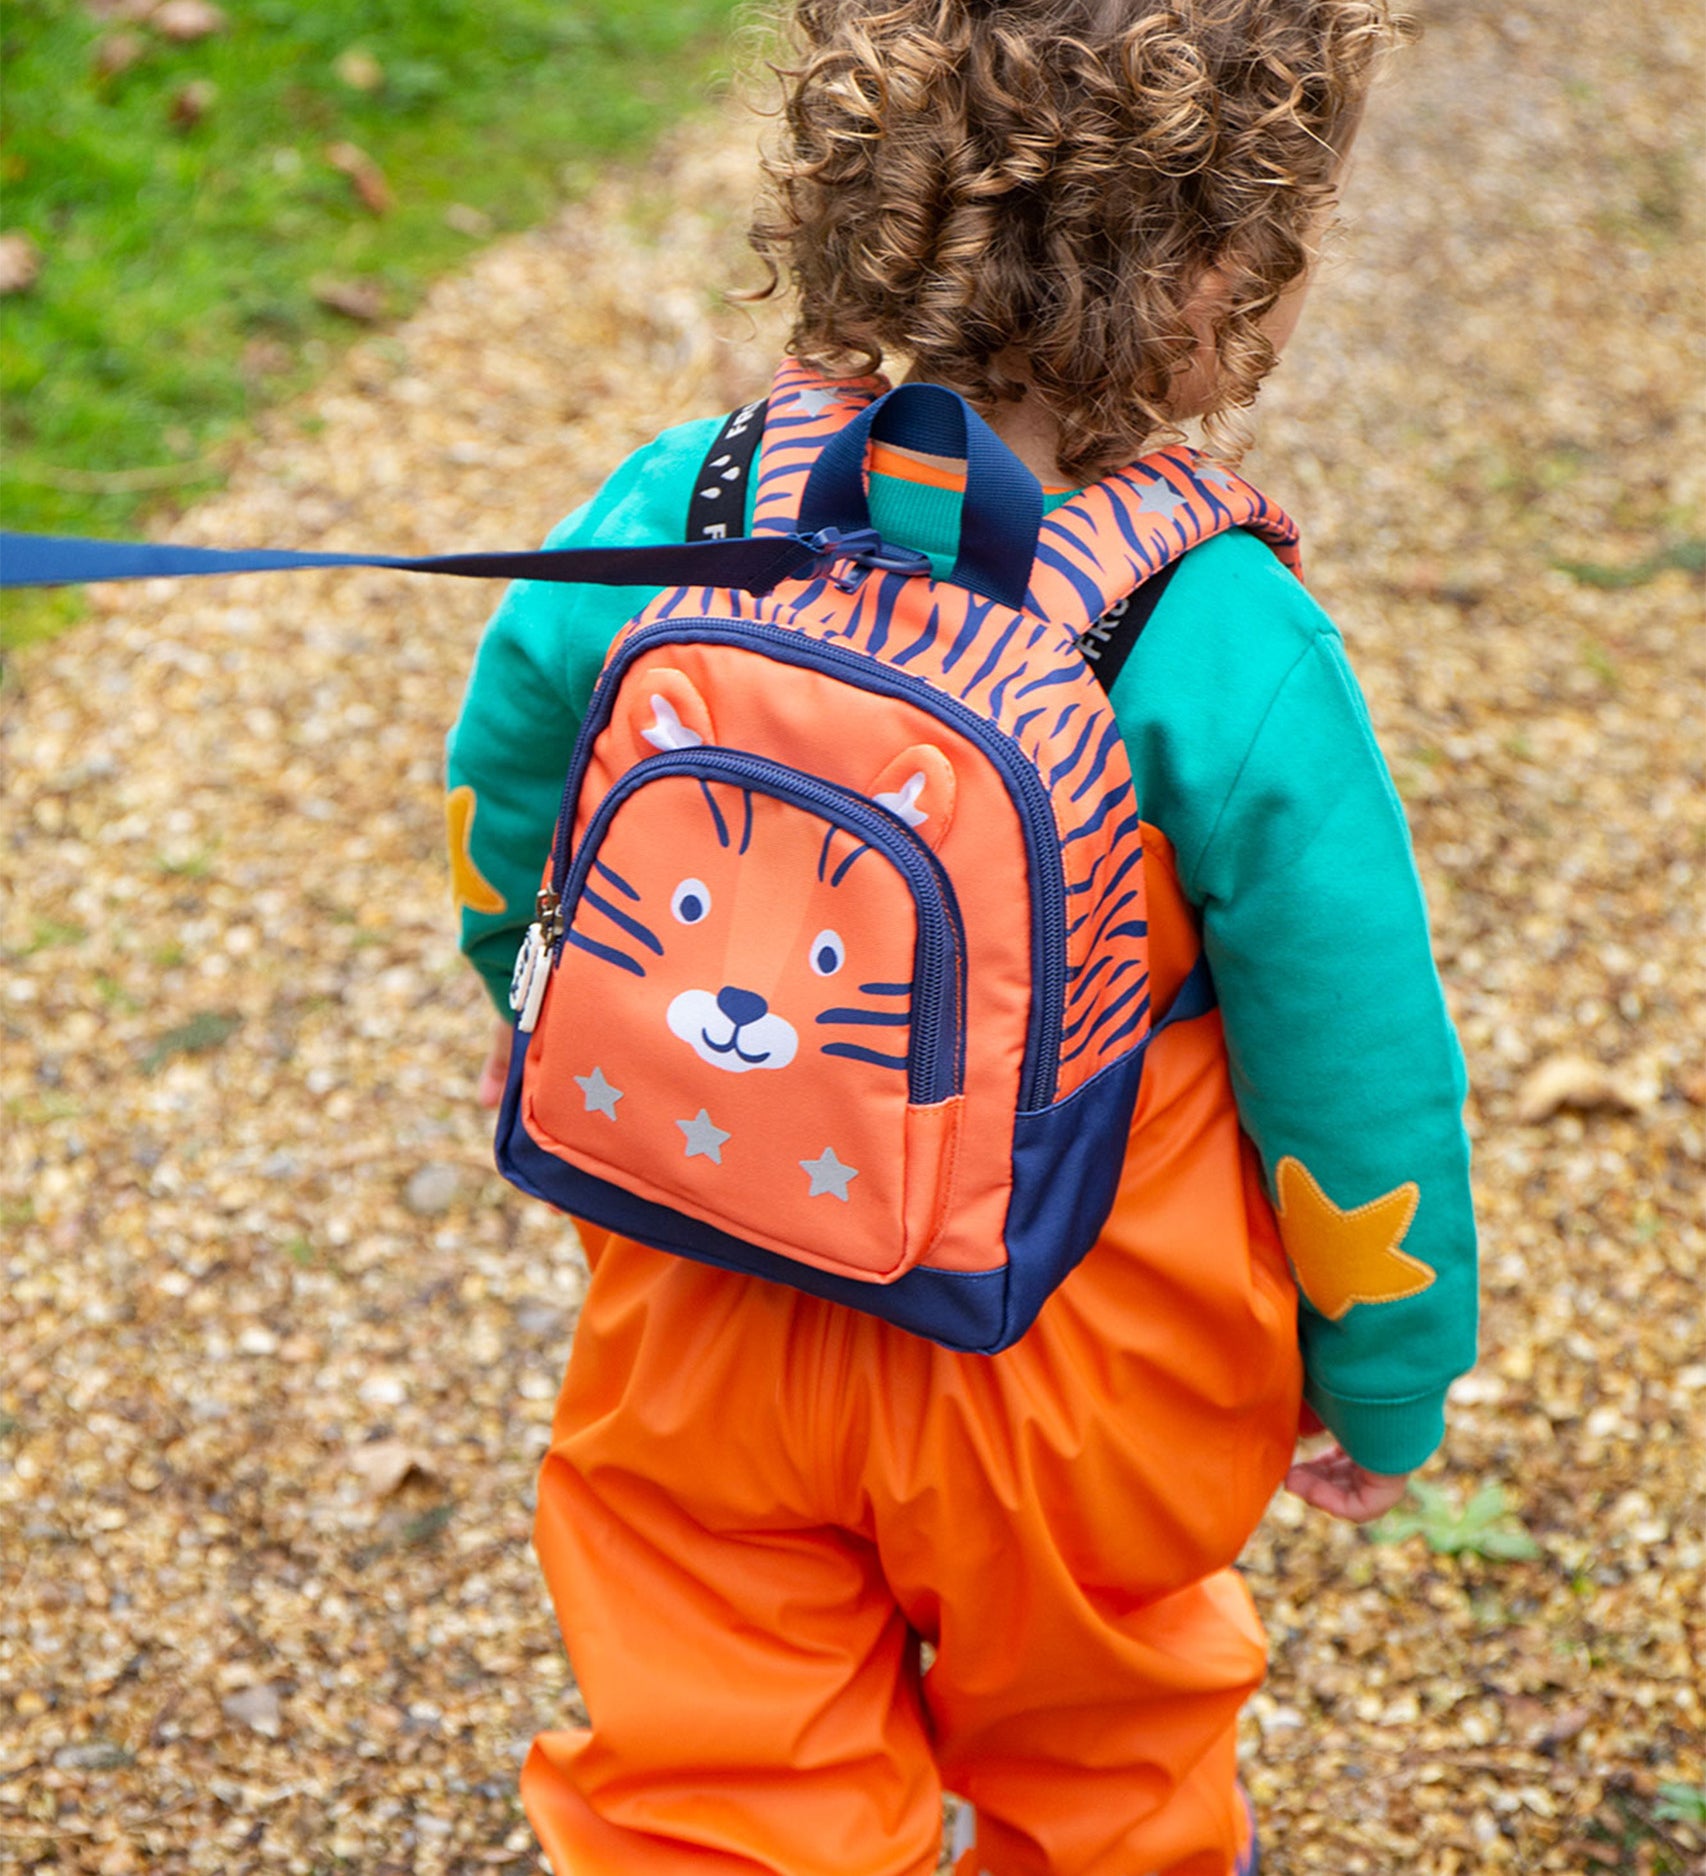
column 754, row 565
column 714, row 552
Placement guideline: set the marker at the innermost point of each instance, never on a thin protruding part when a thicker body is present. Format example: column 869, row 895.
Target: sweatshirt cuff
column 493, row 956
column 1382, row 1435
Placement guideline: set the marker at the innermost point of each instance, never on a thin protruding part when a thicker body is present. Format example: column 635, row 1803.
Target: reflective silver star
column 1161, row 498
column 601, row 1098
column 829, row 1176
column 703, row 1136
column 1216, row 477
column 815, row 401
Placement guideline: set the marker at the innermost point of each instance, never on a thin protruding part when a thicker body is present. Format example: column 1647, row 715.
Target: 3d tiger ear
column 918, row 785
column 667, row 712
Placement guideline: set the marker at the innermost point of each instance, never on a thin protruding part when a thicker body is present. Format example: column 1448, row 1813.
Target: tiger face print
column 768, row 933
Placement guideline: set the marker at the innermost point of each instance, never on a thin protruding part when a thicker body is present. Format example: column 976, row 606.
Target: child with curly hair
column 814, row 1571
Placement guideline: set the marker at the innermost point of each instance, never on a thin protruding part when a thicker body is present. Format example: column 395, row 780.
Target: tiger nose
column 741, row 1006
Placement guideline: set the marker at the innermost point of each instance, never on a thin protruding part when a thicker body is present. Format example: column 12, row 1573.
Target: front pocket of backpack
column 756, row 1012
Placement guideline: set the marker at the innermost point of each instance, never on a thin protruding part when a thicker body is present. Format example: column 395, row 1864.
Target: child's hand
column 1333, row 1482
column 494, row 1072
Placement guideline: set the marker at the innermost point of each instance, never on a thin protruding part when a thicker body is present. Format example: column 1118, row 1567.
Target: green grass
column 180, row 260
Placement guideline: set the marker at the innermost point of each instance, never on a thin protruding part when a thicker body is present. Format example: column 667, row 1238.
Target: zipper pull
column 548, row 916
column 534, row 962
column 532, row 973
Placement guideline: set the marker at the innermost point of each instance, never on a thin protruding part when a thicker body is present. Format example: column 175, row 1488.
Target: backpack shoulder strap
column 1111, row 640
column 1120, row 533
column 804, row 411
column 717, row 511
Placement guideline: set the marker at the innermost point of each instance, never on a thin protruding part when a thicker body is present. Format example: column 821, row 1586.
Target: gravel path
column 278, row 1353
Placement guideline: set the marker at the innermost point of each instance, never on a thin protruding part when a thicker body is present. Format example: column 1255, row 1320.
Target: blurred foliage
column 199, row 206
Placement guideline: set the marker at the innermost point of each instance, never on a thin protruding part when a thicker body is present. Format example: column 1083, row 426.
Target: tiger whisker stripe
column 616, row 880
column 853, row 1053
column 631, row 926
column 618, row 958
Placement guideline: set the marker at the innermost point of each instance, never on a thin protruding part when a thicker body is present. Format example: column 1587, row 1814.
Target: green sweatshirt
column 1254, row 755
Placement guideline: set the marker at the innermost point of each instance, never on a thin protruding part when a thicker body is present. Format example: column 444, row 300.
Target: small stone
column 255, row 1707
column 534, row 1316
column 28, row 1705
column 93, row 1755
column 257, row 1341
column 432, row 1189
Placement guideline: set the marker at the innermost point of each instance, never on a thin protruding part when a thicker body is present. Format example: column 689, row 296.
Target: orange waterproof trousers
column 756, row 1505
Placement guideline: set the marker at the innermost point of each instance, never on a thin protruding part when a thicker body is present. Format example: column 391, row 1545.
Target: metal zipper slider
column 548, row 911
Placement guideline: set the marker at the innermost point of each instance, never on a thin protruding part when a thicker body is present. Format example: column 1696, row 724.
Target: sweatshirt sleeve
column 508, row 755
column 1293, row 845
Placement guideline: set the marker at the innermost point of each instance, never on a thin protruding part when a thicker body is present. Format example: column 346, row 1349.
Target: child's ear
column 665, row 711
column 919, row 787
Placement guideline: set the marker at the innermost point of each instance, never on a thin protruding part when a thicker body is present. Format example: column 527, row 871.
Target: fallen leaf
column 118, row 52
column 362, row 300
column 1573, row 1081
column 192, row 102
column 20, row 263
column 186, row 20
column 475, row 223
column 384, row 1465
column 363, row 172
column 266, row 358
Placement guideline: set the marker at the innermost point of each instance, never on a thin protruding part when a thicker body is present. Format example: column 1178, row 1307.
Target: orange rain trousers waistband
column 756, row 1503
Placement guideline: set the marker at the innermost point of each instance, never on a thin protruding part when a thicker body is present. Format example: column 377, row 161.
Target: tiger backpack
column 839, row 970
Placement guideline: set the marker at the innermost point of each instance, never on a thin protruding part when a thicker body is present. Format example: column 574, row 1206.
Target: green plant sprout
column 1682, row 1804
column 1485, row 1527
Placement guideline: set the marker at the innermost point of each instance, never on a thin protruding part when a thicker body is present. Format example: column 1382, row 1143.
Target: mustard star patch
column 1347, row 1257
column 468, row 885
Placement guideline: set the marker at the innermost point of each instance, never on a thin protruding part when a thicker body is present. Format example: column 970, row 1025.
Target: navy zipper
column 936, row 1052
column 1040, row 1074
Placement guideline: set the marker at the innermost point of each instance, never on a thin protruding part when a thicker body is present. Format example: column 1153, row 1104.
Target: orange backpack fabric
column 841, row 975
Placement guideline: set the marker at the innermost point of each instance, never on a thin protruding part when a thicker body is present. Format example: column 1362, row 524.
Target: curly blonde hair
column 1025, row 194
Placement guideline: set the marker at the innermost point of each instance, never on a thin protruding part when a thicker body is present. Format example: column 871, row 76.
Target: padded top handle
column 1003, row 507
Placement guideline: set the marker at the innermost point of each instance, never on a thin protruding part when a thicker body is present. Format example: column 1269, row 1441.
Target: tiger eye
column 828, row 953
column 690, row 901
